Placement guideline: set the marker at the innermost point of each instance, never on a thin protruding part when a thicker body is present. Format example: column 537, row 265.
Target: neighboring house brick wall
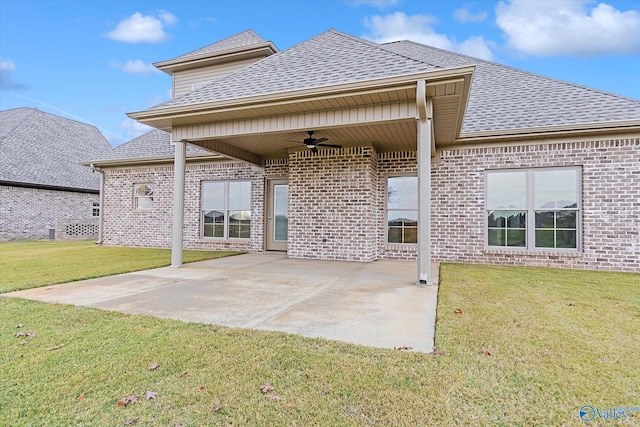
column 29, row 214
column 610, row 203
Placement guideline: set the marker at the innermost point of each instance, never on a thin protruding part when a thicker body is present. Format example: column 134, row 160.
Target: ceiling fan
column 312, row 143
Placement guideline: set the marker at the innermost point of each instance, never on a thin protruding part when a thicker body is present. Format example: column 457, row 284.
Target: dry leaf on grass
column 57, row 347
column 458, row 311
column 131, row 421
column 437, row 352
column 274, row 397
column 403, row 348
column 20, row 334
column 153, row 366
column 266, row 387
column 218, row 407
column 19, row 325
column 150, row 395
column 132, row 398
column 484, row 350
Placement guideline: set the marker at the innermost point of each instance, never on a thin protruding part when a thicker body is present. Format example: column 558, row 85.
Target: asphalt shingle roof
column 41, row 148
column 327, row 59
column 504, row 98
column 156, row 143
column 243, row 39
column 501, row 97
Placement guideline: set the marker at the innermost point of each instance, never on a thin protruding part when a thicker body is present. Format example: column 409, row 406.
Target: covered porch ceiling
column 381, row 113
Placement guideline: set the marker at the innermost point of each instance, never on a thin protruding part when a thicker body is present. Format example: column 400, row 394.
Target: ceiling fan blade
column 314, row 150
column 330, row 145
column 316, row 141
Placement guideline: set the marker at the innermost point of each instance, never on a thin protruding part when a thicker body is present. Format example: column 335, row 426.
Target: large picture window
column 533, row 208
column 226, row 209
column 402, row 209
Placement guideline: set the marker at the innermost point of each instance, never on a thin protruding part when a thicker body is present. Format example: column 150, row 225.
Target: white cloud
column 133, row 129
column 135, row 67
column 167, row 17
column 7, row 68
column 203, row 20
column 568, row 27
column 140, row 28
column 464, row 15
column 398, row 26
column 380, row 4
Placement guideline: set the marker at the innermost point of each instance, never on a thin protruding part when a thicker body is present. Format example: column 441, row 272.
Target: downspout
column 94, row 169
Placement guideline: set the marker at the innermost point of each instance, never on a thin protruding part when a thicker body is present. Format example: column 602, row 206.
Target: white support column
column 424, row 185
column 179, row 167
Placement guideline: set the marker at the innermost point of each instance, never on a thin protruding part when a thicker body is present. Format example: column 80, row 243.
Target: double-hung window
column 143, row 196
column 402, row 209
column 226, row 209
column 533, row 208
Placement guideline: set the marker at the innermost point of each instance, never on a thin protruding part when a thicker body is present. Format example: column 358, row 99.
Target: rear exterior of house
column 442, row 157
column 44, row 191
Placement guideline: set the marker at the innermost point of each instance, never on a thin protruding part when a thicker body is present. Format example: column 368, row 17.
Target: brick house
column 417, row 153
column 44, row 191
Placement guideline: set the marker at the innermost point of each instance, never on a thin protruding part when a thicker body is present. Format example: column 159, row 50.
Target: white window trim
column 386, row 209
column 226, row 209
column 530, row 209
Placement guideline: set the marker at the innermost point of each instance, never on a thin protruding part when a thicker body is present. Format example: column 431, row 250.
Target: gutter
column 94, row 168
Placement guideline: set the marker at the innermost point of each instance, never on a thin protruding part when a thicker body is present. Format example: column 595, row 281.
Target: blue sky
column 91, row 60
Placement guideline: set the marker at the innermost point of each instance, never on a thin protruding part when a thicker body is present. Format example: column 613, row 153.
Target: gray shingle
column 243, row 39
column 41, row 148
column 505, row 98
column 327, row 59
column 156, row 143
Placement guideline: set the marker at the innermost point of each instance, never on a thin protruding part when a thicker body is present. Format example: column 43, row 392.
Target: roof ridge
column 379, row 46
column 248, row 31
column 520, row 70
column 33, row 111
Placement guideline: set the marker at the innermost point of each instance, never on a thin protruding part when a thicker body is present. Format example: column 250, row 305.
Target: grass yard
column 516, row 346
column 31, row 264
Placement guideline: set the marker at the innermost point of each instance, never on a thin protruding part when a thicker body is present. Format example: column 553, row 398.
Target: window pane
column 402, row 192
column 213, row 195
column 516, row 219
column 545, row 239
column 566, row 219
column 240, row 195
column 239, row 224
column 496, row 237
column 506, row 190
column 411, row 235
column 281, row 212
column 395, row 235
column 566, row 239
column 516, row 238
column 545, row 219
column 497, row 219
column 398, row 218
column 207, row 230
column 555, row 188
column 144, row 203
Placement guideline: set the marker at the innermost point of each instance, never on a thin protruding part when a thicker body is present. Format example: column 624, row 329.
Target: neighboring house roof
column 44, row 150
column 243, row 39
column 507, row 98
column 501, row 97
column 154, row 145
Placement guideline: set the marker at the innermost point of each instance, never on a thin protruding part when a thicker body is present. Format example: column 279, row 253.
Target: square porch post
column 179, row 167
column 424, row 185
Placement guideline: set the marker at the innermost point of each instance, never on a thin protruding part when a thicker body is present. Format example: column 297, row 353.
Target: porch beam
column 179, row 167
column 424, row 145
column 339, row 117
column 230, row 151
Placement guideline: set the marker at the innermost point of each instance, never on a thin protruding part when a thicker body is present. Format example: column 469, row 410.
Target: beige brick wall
column 610, row 202
column 333, row 204
column 29, row 213
column 337, row 203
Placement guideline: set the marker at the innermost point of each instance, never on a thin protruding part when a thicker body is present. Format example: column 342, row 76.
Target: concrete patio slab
column 376, row 304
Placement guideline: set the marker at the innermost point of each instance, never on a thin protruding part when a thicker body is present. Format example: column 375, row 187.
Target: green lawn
column 552, row 342
column 30, row 264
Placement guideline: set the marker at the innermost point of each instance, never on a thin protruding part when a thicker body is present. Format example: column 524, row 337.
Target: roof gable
column 240, row 40
column 327, row 59
column 504, row 98
column 45, row 149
